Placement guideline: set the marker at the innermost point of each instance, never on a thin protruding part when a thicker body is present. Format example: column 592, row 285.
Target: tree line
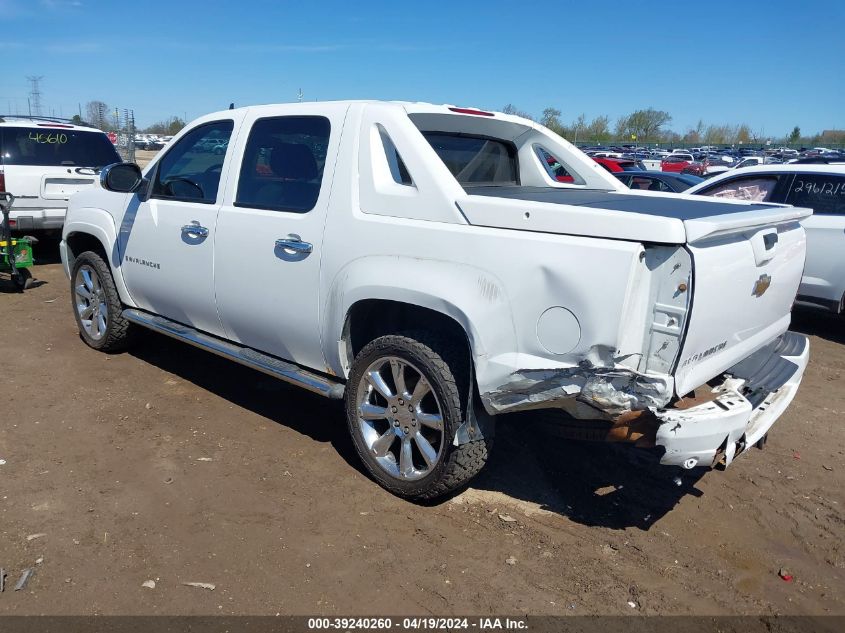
column 98, row 114
column 640, row 126
column 651, row 126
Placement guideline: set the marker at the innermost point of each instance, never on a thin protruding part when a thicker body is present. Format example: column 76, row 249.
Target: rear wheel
column 96, row 304
column 406, row 398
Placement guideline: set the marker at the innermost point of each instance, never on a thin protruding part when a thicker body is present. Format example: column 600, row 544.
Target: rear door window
column 476, row 160
column 553, row 166
column 55, row 147
column 820, row 192
column 752, row 188
column 283, row 163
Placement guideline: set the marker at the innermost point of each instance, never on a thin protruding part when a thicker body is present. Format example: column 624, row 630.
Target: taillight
column 2, row 181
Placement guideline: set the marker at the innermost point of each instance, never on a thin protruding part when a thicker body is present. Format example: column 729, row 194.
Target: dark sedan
column 658, row 180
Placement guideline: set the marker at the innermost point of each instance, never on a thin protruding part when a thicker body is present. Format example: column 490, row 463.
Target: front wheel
column 405, row 400
column 96, row 304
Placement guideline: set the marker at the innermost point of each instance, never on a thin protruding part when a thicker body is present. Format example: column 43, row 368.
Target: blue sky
column 772, row 64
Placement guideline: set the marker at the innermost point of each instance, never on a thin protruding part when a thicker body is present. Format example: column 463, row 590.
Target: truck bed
column 677, row 207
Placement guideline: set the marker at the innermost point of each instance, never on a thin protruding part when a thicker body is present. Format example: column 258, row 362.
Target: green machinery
column 15, row 253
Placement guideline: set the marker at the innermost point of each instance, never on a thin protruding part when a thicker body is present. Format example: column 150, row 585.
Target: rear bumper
column 37, row 219
column 748, row 403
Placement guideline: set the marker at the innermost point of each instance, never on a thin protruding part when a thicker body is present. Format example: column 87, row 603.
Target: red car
column 617, row 165
column 683, row 164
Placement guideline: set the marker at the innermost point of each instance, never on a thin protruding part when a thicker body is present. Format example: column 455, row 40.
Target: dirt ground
column 168, row 464
column 143, row 156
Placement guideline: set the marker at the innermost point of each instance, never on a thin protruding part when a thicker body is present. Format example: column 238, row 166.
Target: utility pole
column 35, row 94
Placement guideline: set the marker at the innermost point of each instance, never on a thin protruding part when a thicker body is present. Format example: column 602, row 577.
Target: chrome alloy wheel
column 400, row 418
column 90, row 300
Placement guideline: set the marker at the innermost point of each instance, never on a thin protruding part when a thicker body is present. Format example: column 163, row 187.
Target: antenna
column 299, row 96
column 35, row 94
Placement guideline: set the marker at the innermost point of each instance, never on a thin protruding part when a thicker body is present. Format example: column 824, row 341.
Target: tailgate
column 747, row 268
column 39, row 186
column 62, row 188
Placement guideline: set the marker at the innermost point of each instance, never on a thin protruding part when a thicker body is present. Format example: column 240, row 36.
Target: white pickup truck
column 423, row 263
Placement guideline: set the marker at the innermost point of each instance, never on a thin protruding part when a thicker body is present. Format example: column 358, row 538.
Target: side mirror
column 121, row 177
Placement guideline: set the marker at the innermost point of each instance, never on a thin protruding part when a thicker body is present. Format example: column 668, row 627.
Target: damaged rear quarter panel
column 496, row 283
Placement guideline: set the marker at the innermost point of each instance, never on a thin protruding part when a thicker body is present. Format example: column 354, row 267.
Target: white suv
column 43, row 162
column 820, row 187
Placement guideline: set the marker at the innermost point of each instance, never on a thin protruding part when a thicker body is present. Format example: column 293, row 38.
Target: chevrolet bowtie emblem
column 761, row 285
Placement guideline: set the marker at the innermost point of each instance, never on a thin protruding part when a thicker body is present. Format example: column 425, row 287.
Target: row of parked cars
column 151, row 141
column 706, row 161
column 436, row 267
column 813, row 178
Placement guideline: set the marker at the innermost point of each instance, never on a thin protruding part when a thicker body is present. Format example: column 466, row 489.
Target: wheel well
column 371, row 318
column 80, row 242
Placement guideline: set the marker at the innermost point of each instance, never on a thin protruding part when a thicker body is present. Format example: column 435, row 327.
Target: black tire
column 23, row 280
column 118, row 331
column 446, row 367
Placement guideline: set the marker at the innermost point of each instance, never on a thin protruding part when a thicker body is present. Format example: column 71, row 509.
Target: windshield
column 476, row 159
column 55, row 147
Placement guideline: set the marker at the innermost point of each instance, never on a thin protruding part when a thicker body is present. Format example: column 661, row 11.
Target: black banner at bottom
column 307, row 624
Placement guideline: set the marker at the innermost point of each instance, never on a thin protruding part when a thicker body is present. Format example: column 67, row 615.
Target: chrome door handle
column 195, row 229
column 294, row 243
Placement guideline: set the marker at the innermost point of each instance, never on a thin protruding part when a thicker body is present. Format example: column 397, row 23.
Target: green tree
column 512, row 109
column 175, row 126
column 578, row 127
column 97, row 113
column 598, row 130
column 795, row 135
column 646, row 124
column 170, row 126
column 551, row 119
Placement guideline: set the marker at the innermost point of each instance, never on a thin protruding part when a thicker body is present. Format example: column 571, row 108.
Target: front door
column 167, row 241
column 270, row 234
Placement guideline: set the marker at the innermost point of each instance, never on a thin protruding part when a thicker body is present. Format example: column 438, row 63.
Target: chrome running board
column 323, row 385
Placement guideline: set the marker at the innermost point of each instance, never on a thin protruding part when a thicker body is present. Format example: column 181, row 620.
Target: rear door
column 167, row 241
column 824, row 272
column 270, row 233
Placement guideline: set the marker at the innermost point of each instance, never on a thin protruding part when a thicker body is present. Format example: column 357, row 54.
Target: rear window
column 55, row 147
column 476, row 160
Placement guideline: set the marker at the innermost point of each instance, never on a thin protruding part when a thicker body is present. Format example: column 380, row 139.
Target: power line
column 35, row 94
